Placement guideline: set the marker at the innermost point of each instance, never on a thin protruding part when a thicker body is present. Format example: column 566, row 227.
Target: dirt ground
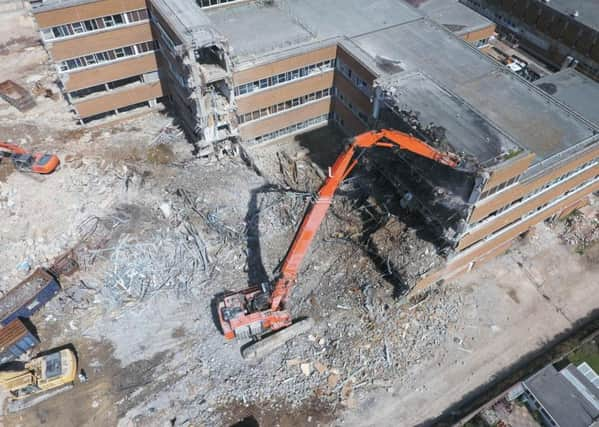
column 173, row 231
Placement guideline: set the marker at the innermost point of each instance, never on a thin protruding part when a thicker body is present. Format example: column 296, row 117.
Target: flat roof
column 560, row 398
column 453, row 15
column 419, row 98
column 575, row 90
column 537, row 122
column 45, row 5
column 588, row 10
column 255, row 29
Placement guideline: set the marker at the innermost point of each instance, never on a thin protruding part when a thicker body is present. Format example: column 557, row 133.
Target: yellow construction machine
column 38, row 379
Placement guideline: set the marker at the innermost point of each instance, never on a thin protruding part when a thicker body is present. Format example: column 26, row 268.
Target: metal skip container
column 28, row 296
column 15, row 340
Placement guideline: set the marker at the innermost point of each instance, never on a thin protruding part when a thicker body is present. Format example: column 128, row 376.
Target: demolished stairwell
column 199, row 72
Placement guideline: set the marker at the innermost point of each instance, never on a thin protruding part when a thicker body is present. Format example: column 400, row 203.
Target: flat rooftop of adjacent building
column 574, row 89
column 588, row 10
column 453, row 15
column 566, row 404
column 57, row 4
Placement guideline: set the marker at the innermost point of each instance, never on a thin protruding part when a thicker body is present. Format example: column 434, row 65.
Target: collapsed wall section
column 413, row 103
column 195, row 61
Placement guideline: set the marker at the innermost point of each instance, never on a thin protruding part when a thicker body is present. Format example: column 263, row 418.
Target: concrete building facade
column 105, row 54
column 254, row 71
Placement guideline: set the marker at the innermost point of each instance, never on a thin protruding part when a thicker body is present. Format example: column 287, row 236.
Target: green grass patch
column 588, row 352
column 512, row 153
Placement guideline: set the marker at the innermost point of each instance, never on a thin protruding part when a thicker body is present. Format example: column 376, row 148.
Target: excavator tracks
column 258, row 349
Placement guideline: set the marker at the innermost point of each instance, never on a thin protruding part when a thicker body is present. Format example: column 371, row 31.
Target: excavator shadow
column 214, row 309
column 57, row 349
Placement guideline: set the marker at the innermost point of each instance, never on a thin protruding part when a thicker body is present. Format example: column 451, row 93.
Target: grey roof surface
column 464, row 128
column 574, row 89
column 582, row 384
column 452, row 14
column 254, row 29
column 588, row 10
column 557, row 395
column 536, row 121
column 328, row 18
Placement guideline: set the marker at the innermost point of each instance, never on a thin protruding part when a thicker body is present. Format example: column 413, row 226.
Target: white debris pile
column 173, row 261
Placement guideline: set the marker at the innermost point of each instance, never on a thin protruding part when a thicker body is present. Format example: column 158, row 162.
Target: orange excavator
column 260, row 310
column 42, row 163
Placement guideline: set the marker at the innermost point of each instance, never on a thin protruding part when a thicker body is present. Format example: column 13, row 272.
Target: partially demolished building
column 257, row 70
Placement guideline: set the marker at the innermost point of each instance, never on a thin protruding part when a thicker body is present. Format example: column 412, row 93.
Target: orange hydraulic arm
column 343, row 166
column 15, row 149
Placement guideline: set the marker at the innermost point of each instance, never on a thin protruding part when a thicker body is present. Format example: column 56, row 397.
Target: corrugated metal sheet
column 28, row 296
column 15, row 339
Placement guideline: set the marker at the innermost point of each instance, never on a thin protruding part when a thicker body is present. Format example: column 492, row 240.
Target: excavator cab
column 23, row 162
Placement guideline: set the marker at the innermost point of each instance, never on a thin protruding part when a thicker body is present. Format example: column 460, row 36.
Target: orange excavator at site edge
column 42, row 163
column 260, row 310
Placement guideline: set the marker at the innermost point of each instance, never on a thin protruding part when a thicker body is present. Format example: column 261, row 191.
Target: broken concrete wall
column 415, row 104
column 196, row 62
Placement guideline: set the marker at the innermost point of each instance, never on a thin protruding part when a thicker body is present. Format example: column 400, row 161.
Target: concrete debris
column 320, row 367
column 306, row 369
column 406, row 255
column 171, row 262
column 579, row 230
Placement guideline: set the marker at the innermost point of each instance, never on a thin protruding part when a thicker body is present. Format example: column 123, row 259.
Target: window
column 90, row 25
column 292, row 128
column 78, row 28
column 283, row 106
column 81, row 27
column 109, row 55
column 284, row 77
column 108, row 21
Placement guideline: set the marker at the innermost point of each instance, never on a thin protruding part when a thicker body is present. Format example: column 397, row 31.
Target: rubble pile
column 172, row 261
column 580, row 231
column 433, row 134
column 407, row 256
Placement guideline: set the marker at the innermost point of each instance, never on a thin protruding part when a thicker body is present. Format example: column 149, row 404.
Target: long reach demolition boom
column 259, row 310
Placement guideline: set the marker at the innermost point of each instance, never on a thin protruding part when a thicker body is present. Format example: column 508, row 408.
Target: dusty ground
column 156, row 357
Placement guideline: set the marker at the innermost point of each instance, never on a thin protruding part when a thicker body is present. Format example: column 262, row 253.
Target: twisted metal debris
column 173, row 261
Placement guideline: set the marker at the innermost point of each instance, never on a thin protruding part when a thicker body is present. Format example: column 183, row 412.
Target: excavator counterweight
column 259, row 310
